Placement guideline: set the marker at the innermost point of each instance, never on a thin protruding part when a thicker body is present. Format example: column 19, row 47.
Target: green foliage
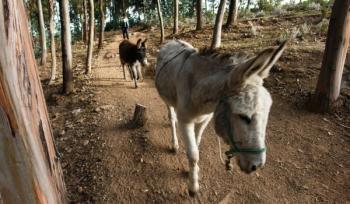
column 265, row 5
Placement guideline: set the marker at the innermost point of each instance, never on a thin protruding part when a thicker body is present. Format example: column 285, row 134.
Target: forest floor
column 106, row 161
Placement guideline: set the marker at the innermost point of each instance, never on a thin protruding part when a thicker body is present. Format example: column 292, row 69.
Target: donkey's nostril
column 253, row 168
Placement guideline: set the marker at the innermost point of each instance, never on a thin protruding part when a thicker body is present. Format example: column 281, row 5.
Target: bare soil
column 106, row 161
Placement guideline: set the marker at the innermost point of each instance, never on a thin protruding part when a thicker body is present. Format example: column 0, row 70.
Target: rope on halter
column 220, row 153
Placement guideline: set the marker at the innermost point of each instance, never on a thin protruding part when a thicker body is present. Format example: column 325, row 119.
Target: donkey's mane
column 224, row 58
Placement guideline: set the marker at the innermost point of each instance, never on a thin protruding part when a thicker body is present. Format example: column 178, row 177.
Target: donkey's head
column 141, row 52
column 241, row 116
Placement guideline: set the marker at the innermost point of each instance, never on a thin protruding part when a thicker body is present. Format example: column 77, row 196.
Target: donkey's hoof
column 192, row 193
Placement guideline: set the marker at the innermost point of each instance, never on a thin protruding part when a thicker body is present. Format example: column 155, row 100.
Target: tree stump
column 140, row 116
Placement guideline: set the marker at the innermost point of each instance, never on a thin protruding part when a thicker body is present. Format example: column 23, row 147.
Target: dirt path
column 305, row 163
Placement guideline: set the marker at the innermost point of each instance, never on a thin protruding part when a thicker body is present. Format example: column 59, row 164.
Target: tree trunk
column 53, row 43
column 42, row 34
column 91, row 37
column 199, row 7
column 232, row 14
column 66, row 45
column 176, row 16
column 160, row 22
column 218, row 25
column 329, row 80
column 86, row 27
column 102, row 22
column 248, row 5
column 30, row 169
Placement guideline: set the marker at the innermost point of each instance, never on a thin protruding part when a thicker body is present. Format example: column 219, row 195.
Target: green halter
column 234, row 148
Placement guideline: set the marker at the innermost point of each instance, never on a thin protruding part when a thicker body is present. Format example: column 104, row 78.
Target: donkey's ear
column 144, row 42
column 258, row 66
column 138, row 44
column 263, row 73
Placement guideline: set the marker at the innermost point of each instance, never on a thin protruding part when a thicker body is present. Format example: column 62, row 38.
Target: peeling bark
column 30, row 170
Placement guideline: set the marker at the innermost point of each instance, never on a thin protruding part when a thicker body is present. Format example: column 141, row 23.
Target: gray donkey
column 194, row 84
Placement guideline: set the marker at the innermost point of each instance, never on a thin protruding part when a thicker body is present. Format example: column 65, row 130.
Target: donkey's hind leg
column 123, row 66
column 173, row 120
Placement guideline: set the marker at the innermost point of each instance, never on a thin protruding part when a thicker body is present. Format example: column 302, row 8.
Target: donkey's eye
column 245, row 118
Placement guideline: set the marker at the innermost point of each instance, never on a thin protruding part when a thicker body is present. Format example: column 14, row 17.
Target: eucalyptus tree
column 66, row 47
column 52, row 40
column 160, row 22
column 102, row 22
column 232, row 14
column 216, row 41
column 199, row 15
column 42, row 33
column 30, row 169
column 176, row 16
column 91, row 37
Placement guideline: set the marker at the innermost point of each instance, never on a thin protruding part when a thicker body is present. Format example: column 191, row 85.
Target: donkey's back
column 170, row 61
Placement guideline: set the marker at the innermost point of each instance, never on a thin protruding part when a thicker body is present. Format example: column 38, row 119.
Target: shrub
column 265, row 5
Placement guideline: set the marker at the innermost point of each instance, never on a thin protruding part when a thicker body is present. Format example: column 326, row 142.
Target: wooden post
column 140, row 116
column 30, row 172
column 329, row 80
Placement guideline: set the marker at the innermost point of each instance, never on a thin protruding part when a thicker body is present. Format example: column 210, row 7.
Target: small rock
column 76, row 111
column 62, row 132
column 98, row 109
column 80, row 189
column 107, row 107
column 86, row 142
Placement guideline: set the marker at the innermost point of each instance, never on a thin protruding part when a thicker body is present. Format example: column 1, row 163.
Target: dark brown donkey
column 134, row 56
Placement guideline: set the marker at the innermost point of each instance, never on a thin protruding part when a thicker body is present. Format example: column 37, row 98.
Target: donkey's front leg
column 173, row 120
column 188, row 133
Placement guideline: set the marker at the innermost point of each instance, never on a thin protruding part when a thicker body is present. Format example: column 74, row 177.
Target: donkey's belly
column 202, row 118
